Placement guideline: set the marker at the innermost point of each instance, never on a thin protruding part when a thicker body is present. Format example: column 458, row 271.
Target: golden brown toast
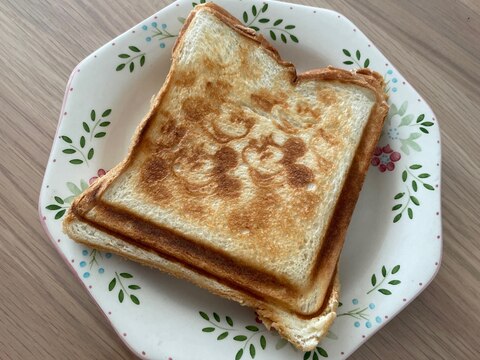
column 243, row 176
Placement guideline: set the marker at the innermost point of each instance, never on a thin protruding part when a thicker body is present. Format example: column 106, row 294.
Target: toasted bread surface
column 243, row 172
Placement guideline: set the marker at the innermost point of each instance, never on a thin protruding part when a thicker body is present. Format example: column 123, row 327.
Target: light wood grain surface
column 46, row 314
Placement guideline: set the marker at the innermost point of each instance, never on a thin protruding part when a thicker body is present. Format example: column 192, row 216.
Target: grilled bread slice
column 243, row 176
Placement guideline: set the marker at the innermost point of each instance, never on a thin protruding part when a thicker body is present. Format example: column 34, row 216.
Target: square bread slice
column 243, row 176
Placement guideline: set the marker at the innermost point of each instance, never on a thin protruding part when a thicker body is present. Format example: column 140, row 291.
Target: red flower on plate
column 100, row 173
column 384, row 158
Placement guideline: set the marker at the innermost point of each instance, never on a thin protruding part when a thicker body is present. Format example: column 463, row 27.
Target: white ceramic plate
column 394, row 243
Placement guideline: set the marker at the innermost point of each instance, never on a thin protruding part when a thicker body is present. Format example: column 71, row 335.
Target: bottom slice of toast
column 303, row 332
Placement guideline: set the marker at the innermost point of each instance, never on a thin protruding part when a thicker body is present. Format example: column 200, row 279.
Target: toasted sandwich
column 243, row 176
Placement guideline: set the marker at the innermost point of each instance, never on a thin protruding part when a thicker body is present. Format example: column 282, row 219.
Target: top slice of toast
column 242, row 169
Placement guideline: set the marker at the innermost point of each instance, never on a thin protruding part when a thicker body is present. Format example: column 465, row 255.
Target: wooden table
column 45, row 313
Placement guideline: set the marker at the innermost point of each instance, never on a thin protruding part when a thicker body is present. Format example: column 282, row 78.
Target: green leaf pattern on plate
column 382, row 283
column 82, row 150
column 131, row 56
column 414, row 179
column 250, row 337
column 60, row 204
column 200, row 2
column 355, row 58
column 277, row 29
column 359, row 313
column 405, row 128
column 122, row 289
column 315, row 354
column 385, row 274
column 159, row 33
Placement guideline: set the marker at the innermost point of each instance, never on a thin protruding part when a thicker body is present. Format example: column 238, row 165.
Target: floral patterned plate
column 394, row 242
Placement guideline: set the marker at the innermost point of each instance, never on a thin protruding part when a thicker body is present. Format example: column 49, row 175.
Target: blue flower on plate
column 92, row 262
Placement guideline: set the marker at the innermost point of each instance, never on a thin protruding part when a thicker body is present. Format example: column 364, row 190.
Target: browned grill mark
column 228, row 186
column 263, row 147
column 265, row 100
column 196, row 108
column 327, row 97
column 283, row 125
column 217, row 90
column 171, row 135
column 156, row 169
column 293, row 149
column 304, row 108
column 194, row 157
column 237, row 117
column 266, row 155
column 225, row 159
column 189, row 159
column 263, row 180
column 331, row 139
column 323, row 164
column 299, row 175
column 205, row 109
column 247, row 65
column 212, row 66
column 185, row 78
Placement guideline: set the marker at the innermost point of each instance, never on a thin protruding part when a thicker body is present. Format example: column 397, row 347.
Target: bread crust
column 267, row 306
column 288, row 325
